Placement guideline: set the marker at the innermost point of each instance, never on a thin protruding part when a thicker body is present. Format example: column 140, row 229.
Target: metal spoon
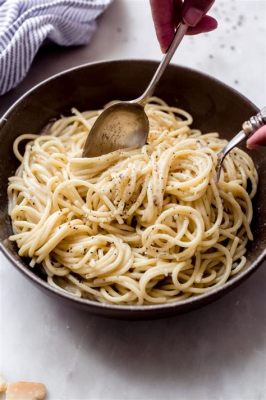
column 125, row 124
column 248, row 128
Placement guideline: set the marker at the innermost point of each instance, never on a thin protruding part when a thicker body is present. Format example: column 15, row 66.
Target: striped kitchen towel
column 26, row 24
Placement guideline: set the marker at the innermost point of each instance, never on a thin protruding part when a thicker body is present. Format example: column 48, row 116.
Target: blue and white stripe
column 26, row 24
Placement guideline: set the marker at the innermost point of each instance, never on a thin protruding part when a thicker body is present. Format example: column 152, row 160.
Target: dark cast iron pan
column 214, row 106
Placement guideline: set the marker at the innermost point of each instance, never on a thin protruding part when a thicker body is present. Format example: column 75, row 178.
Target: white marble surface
column 218, row 352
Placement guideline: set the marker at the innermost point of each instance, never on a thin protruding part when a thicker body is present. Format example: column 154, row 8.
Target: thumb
column 258, row 139
column 194, row 10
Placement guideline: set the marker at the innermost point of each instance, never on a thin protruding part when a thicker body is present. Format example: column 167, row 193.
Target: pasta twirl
column 137, row 226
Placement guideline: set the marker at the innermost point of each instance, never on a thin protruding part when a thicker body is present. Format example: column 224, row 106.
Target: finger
column 207, row 24
column 258, row 139
column 194, row 10
column 163, row 17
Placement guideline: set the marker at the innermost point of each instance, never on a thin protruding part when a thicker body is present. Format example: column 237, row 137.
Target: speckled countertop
column 218, row 352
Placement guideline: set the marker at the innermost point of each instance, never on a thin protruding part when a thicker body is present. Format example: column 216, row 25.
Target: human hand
column 167, row 14
column 258, row 139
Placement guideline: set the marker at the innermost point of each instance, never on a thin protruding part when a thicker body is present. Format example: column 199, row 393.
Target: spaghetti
column 136, row 226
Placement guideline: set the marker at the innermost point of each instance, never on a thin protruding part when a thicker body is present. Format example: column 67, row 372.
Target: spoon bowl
column 119, row 126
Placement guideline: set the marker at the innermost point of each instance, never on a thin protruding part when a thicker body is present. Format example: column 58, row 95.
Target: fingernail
column 193, row 16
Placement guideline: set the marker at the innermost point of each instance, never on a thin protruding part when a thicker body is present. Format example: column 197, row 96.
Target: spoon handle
column 180, row 33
